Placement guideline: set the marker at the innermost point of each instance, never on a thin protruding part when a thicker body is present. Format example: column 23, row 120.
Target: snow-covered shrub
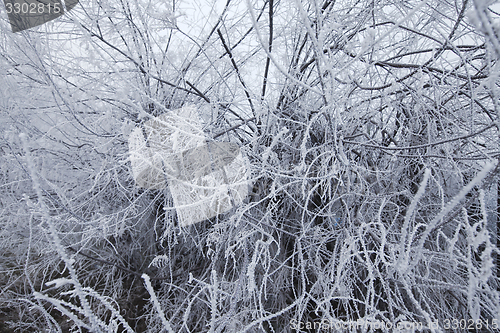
column 372, row 134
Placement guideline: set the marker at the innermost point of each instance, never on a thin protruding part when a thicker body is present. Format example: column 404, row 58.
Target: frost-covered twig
column 166, row 323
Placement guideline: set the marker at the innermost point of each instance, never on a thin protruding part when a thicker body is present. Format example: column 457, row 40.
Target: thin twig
column 226, row 47
column 421, row 146
column 268, row 60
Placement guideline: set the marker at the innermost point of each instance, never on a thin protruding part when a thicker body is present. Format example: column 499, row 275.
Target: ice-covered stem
column 265, row 47
column 213, row 300
column 403, row 255
column 53, row 233
column 432, row 225
column 151, row 292
column 486, row 25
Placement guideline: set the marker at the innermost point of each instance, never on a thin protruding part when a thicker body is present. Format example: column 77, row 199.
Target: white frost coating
column 152, row 293
column 251, row 273
column 213, row 301
column 160, row 261
column 403, row 255
column 476, row 181
column 276, row 138
column 159, row 159
column 59, row 282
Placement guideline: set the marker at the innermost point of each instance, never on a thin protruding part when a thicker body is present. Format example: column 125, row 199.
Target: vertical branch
column 406, row 224
column 213, row 300
column 497, row 234
column 228, row 50
column 276, row 63
column 455, row 201
column 268, row 60
column 157, row 305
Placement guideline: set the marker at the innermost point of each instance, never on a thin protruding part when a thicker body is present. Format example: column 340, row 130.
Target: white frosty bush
column 368, row 130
